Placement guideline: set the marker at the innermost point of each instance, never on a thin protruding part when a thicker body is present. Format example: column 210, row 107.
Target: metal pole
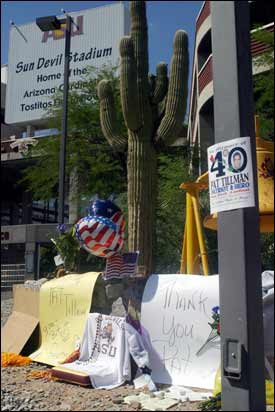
column 62, row 158
column 243, row 384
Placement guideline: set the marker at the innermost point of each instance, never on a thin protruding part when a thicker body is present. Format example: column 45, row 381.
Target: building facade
column 200, row 133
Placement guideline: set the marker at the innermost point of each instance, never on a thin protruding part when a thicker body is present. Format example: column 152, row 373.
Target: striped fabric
column 101, row 236
column 121, row 265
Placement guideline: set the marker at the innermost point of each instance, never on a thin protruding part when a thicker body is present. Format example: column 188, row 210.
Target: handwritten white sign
column 175, row 311
column 230, row 175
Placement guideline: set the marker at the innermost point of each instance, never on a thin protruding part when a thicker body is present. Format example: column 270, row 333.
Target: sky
column 164, row 18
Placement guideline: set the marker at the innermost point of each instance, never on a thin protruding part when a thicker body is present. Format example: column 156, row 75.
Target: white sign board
column 175, row 312
column 36, row 58
column 230, row 175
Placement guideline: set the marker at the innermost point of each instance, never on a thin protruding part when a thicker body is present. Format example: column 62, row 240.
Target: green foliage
column 173, row 169
column 83, row 262
column 264, row 84
column 267, row 251
column 213, row 404
column 264, row 107
column 99, row 170
column 47, row 264
column 68, row 248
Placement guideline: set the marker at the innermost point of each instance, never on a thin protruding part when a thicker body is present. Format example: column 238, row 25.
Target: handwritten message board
column 64, row 307
column 175, row 311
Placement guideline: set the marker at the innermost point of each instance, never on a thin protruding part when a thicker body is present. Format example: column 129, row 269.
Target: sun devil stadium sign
column 36, row 59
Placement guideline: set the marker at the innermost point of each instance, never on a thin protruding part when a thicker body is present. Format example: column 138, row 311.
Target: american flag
column 99, row 237
column 120, row 266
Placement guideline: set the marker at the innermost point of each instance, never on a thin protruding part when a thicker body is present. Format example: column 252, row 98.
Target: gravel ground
column 19, row 393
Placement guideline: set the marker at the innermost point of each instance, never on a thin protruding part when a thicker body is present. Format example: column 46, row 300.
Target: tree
column 153, row 110
column 264, row 83
column 173, row 169
column 98, row 169
column 264, row 107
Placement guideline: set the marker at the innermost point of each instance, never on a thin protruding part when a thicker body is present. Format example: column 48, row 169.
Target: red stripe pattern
column 120, row 266
column 101, row 236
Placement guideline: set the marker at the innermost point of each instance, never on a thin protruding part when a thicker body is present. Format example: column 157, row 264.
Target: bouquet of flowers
column 67, row 246
column 215, row 325
column 215, row 329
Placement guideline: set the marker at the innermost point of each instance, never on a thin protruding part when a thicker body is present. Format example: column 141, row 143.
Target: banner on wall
column 176, row 312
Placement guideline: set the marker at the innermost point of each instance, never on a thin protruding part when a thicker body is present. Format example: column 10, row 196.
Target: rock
column 117, row 401
column 160, row 395
column 65, row 407
column 135, row 405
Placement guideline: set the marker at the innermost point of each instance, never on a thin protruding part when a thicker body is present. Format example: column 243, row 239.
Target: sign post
column 64, row 126
column 238, row 229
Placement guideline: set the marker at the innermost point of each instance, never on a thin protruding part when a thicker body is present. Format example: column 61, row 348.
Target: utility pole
column 242, row 336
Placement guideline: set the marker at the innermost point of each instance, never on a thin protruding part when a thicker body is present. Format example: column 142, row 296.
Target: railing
column 257, row 47
column 204, row 13
column 12, row 275
column 5, row 147
column 193, row 116
column 206, row 74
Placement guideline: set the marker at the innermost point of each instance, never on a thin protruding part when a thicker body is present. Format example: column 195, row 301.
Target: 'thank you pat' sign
column 176, row 312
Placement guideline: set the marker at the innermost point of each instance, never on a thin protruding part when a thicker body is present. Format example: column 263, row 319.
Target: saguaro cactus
column 153, row 108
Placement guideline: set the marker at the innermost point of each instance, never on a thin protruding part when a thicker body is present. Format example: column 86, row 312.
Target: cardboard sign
column 230, row 175
column 64, row 307
column 23, row 320
column 175, row 312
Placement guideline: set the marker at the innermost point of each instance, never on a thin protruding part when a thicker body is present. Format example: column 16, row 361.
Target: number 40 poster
column 230, row 175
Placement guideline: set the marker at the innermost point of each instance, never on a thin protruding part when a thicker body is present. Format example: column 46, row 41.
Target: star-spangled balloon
column 101, row 232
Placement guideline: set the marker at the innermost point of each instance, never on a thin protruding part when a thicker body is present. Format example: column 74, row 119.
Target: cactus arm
column 139, row 35
column 161, row 83
column 162, row 108
column 152, row 84
column 107, row 116
column 128, row 84
column 177, row 92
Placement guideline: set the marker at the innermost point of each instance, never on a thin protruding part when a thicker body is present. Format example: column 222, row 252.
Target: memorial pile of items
column 176, row 342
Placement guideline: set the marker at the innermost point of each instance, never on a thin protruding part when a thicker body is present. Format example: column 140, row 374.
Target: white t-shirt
column 105, row 351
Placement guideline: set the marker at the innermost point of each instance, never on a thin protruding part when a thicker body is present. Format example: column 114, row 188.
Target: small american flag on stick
column 121, row 265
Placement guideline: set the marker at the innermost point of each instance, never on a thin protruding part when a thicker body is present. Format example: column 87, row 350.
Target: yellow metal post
column 199, row 227
column 194, row 250
column 183, row 267
column 193, row 263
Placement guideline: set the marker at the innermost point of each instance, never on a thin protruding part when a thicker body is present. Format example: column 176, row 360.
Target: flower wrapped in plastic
column 102, row 232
